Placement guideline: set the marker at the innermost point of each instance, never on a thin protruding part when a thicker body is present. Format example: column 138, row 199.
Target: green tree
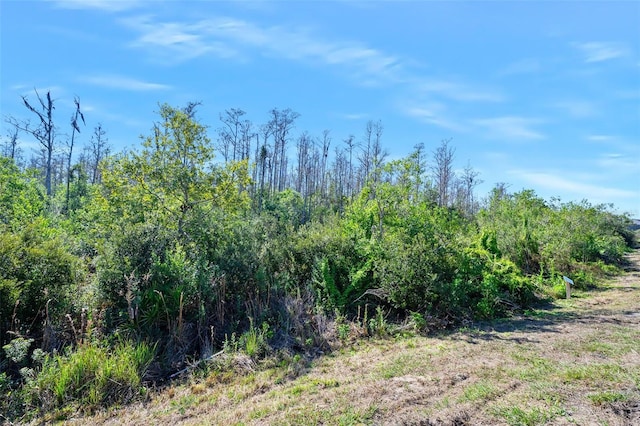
column 163, row 215
column 22, row 197
column 38, row 283
column 516, row 222
column 173, row 176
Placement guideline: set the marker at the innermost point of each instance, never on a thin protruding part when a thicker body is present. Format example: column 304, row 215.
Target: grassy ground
column 574, row 362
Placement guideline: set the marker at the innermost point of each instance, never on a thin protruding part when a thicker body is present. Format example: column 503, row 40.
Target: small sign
column 568, row 283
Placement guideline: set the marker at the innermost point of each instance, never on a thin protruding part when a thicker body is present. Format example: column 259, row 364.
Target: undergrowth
column 91, row 377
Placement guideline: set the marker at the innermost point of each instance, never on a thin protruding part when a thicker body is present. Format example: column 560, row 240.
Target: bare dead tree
column 378, row 154
column 469, row 180
column 340, row 178
column 442, row 169
column 75, row 127
column 263, row 164
column 281, row 124
column 44, row 132
column 326, row 142
column 97, row 150
column 11, row 148
column 246, row 136
column 372, row 154
column 304, row 146
column 350, row 183
column 365, row 154
column 419, row 161
column 229, row 134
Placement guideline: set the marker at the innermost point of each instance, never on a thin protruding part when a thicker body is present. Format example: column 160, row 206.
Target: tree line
column 260, row 240
column 323, row 172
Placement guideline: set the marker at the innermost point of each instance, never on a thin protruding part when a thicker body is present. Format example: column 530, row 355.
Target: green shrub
column 254, row 341
column 494, row 285
column 91, row 377
column 39, row 280
column 17, row 350
column 415, row 273
column 22, row 197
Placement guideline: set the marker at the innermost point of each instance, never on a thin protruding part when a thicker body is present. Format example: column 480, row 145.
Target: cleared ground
column 574, row 362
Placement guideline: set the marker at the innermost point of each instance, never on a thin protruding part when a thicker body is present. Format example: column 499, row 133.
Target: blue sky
column 540, row 95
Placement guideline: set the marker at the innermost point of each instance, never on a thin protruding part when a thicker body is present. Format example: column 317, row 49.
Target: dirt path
column 576, row 362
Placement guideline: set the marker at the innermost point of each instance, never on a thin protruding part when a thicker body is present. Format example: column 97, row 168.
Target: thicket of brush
column 172, row 257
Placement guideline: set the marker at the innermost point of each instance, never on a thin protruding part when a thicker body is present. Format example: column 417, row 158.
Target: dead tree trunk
column 44, row 133
column 74, row 128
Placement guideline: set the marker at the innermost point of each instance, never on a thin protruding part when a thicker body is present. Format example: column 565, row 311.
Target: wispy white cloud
column 433, row 113
column 459, row 92
column 523, row 66
column 623, row 151
column 600, row 138
column 18, row 87
column 104, row 5
column 229, row 37
column 620, row 163
column 577, row 189
column 123, row 83
column 353, row 116
column 601, row 51
column 364, row 65
column 30, row 91
column 176, row 42
column 28, row 145
column 509, row 128
column 577, row 108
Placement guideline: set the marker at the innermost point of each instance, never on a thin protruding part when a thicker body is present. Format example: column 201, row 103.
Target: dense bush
column 39, row 284
column 22, row 197
column 554, row 239
column 183, row 261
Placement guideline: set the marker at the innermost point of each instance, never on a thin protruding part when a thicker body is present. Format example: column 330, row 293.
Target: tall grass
column 91, row 377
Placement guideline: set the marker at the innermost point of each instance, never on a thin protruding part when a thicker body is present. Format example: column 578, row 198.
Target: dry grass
column 577, row 362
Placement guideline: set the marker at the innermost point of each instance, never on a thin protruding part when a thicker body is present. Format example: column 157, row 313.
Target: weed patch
column 517, row 416
column 479, row 391
column 607, row 397
column 91, row 377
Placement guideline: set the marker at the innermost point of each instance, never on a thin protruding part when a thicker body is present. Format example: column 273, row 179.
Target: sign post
column 568, row 282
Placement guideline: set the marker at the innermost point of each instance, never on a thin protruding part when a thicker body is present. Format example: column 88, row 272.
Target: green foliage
column 554, row 239
column 342, row 327
column 334, row 284
column 254, row 341
column 607, row 397
column 287, row 207
column 416, row 260
column 22, row 197
column 177, row 257
column 334, row 261
column 378, row 325
column 482, row 390
column 418, row 321
column 39, row 279
column 93, row 376
column 493, row 285
column 165, row 232
column 515, row 221
column 17, row 350
column 171, row 180
column 517, row 416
